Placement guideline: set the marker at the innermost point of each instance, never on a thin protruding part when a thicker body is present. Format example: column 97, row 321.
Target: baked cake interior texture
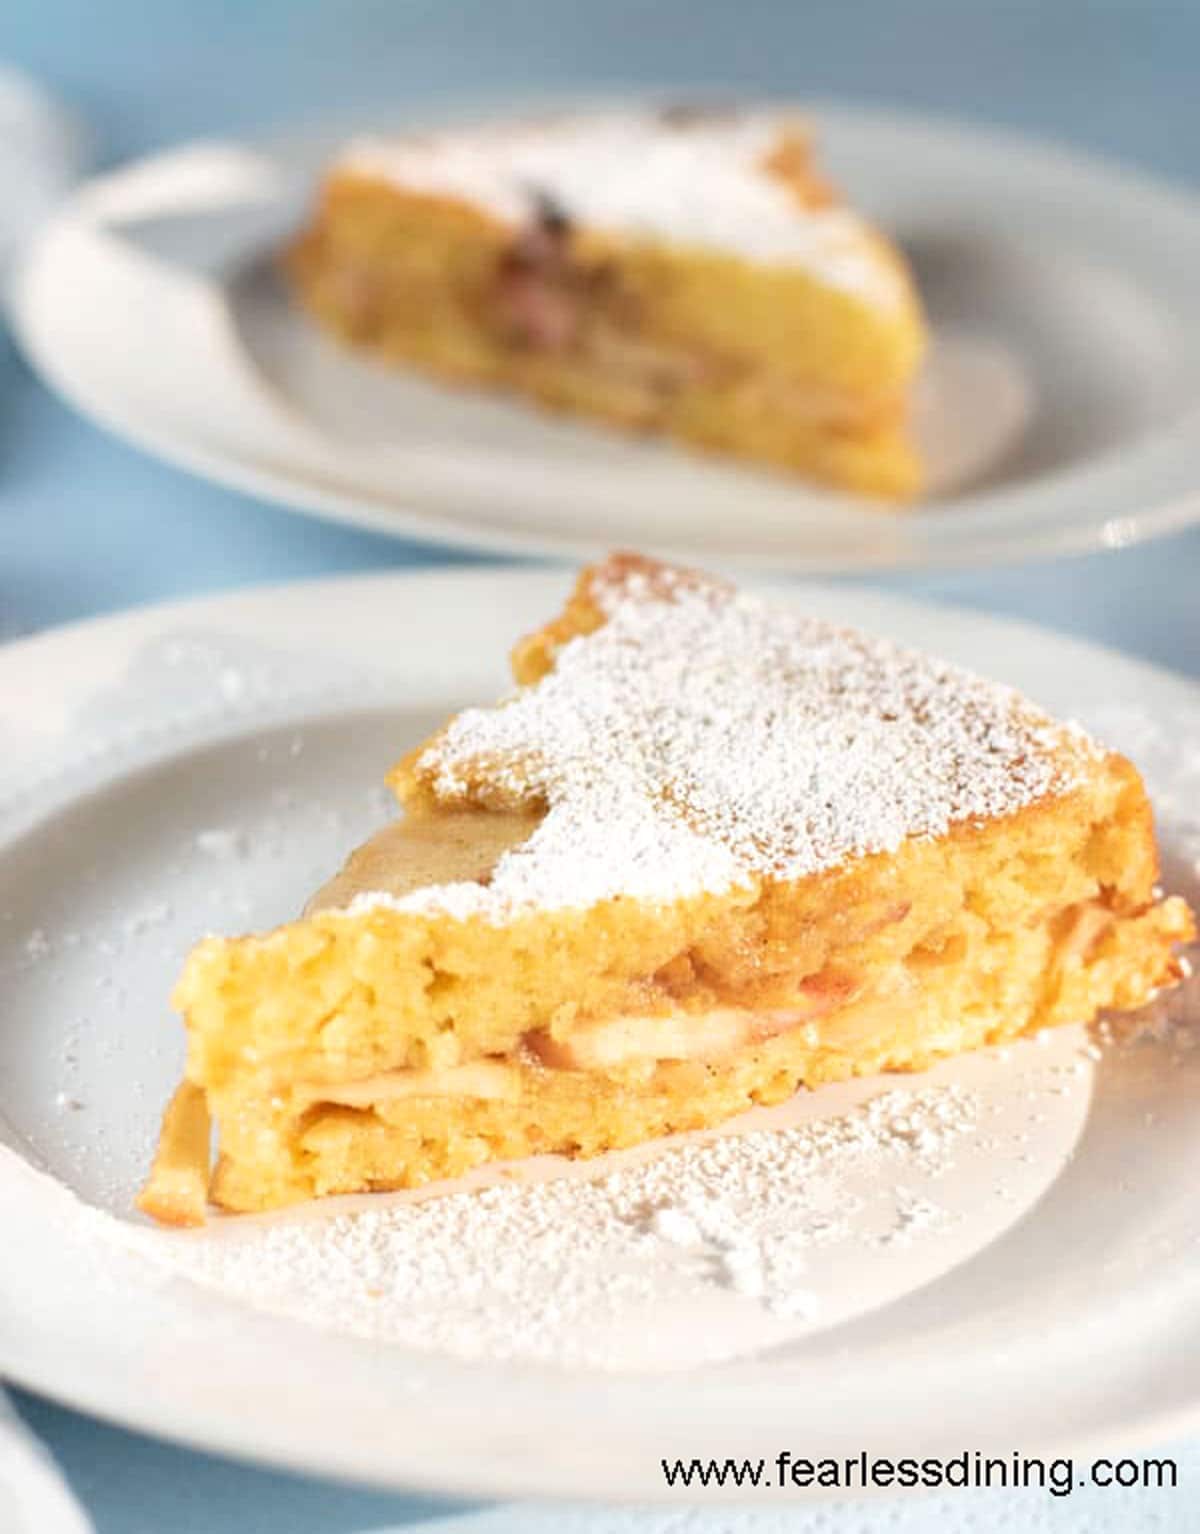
column 683, row 272
column 707, row 852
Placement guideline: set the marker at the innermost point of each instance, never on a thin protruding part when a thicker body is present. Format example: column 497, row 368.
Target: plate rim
column 154, row 611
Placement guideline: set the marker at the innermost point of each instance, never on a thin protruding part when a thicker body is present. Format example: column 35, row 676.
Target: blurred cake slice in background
column 680, row 271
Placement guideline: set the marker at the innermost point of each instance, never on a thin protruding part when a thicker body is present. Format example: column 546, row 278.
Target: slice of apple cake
column 684, row 272
column 707, row 852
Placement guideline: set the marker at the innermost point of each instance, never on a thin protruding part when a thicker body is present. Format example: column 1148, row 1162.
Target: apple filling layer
column 620, row 1044
column 835, row 1011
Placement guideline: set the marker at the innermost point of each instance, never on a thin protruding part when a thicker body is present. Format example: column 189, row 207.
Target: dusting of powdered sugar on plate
column 700, row 182
column 555, row 1271
column 702, row 739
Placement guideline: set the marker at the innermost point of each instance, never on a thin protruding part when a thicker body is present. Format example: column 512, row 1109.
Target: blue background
column 88, row 525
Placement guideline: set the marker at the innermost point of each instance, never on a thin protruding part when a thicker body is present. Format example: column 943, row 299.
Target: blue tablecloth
column 88, row 525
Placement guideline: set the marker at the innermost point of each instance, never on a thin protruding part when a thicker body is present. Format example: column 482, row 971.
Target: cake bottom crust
column 404, row 1129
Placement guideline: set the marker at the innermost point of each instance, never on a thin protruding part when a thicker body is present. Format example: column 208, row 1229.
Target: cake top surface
column 690, row 178
column 702, row 739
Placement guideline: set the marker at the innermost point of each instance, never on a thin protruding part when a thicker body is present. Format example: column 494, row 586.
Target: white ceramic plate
column 1060, row 408
column 1058, row 1306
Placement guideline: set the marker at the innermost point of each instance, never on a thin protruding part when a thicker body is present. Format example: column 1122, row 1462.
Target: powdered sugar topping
column 645, row 176
column 702, row 739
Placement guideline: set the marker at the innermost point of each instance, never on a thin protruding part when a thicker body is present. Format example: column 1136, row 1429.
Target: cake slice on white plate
column 709, row 851
column 686, row 272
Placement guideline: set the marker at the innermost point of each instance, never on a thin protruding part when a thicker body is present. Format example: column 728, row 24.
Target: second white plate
column 1060, row 405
